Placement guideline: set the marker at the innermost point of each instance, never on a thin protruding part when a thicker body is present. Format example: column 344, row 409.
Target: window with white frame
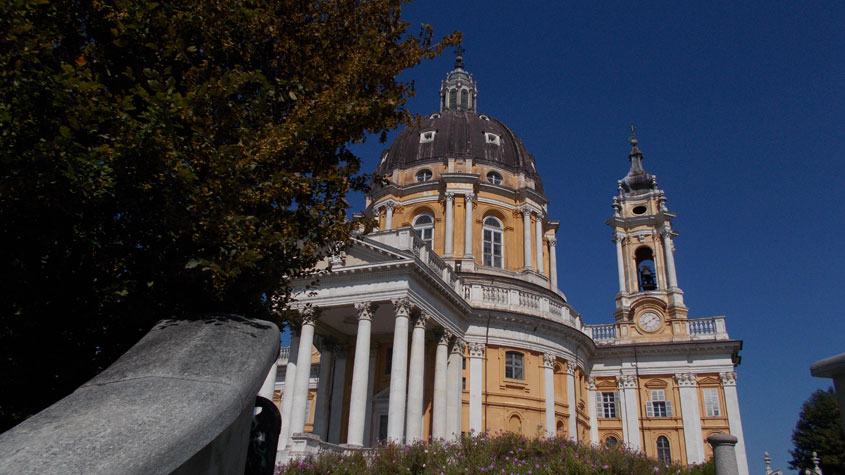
column 423, row 176
column 494, row 178
column 492, row 242
column 712, row 407
column 658, row 406
column 426, row 137
column 492, row 138
column 514, row 365
column 608, row 404
column 424, row 229
column 664, row 452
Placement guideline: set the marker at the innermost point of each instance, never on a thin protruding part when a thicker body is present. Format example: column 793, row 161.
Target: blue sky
column 739, row 109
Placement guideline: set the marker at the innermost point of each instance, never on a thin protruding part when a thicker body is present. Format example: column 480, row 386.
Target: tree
column 819, row 429
column 165, row 159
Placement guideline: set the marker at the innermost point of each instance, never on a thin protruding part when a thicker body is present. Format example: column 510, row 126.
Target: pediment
column 656, row 384
column 709, row 381
column 606, row 384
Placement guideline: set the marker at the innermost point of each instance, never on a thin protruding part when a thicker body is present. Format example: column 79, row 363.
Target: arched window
column 424, row 229
column 664, row 454
column 492, row 242
column 494, row 178
column 645, row 269
column 515, row 424
column 514, row 365
column 611, row 442
column 464, row 98
column 453, row 99
column 423, row 176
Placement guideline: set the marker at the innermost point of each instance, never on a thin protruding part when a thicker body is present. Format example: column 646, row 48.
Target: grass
column 504, row 453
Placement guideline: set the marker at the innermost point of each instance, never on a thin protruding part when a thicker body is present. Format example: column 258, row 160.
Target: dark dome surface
column 460, row 134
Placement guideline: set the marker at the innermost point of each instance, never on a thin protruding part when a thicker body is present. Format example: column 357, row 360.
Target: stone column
column 416, row 378
column 627, row 384
column 570, row 396
column 360, row 375
column 724, row 455
column 526, row 236
column 468, row 199
column 268, row 387
column 538, row 242
column 671, row 277
column 552, row 260
column 734, row 420
column 338, row 382
column 321, row 412
column 388, row 215
column 438, row 420
column 620, row 262
column 398, row 372
column 368, row 412
column 299, row 414
column 593, row 410
column 691, row 414
column 549, row 392
column 449, row 236
column 287, row 394
column 454, row 390
column 476, row 367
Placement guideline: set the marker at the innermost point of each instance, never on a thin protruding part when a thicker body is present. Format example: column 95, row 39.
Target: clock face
column 649, row 321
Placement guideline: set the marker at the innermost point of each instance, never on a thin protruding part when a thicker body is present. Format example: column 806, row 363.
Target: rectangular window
column 608, row 404
column 388, row 360
column 711, row 402
column 514, row 368
column 463, row 383
column 658, row 406
column 463, row 363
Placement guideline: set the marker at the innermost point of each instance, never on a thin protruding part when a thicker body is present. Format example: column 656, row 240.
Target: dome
column 460, row 134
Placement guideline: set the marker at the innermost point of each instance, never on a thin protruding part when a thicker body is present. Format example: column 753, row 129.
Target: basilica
column 447, row 318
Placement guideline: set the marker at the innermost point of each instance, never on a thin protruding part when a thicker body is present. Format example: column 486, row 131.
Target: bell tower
column 649, row 305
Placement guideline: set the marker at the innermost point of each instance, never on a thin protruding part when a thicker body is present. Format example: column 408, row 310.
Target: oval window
column 639, row 209
column 494, row 178
column 423, row 176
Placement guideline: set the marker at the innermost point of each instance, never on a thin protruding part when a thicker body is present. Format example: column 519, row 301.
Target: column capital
column 618, row 237
column 449, row 195
column 365, row 310
column 552, row 240
column 525, row 210
column 666, row 230
column 728, row 378
column 591, row 383
column 389, row 205
column 443, row 336
column 469, row 196
column 476, row 350
column 419, row 318
column 570, row 366
column 686, row 380
column 626, row 381
column 459, row 346
column 549, row 360
column 402, row 307
column 308, row 315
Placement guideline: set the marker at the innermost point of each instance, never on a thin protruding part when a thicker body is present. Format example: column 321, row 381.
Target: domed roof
column 460, row 134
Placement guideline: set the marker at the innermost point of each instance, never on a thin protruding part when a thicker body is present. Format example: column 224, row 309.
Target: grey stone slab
column 182, row 386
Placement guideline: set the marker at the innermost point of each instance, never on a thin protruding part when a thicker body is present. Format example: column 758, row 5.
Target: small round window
column 639, row 209
column 423, row 176
column 494, row 178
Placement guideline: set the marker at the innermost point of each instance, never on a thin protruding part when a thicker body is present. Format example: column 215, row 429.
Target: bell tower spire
column 649, row 302
column 458, row 91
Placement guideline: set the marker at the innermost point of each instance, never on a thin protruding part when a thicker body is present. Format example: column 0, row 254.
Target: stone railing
column 602, row 333
column 708, row 328
column 284, row 354
column 405, row 239
column 712, row 328
column 515, row 300
column 180, row 401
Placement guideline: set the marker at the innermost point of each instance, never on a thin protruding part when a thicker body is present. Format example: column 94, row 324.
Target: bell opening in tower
column 645, row 269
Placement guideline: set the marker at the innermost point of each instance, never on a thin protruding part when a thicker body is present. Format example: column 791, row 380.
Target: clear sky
column 739, row 110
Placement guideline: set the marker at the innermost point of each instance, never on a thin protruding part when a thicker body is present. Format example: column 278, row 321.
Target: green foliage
column 819, row 429
column 500, row 453
column 172, row 158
